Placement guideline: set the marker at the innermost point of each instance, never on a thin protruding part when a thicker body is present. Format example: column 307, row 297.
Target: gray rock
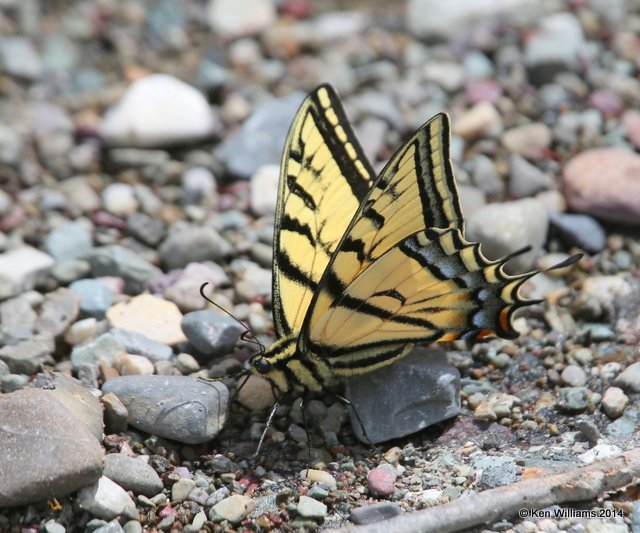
column 17, row 319
column 176, row 407
column 614, row 402
column 69, row 271
column 21, row 269
column 580, row 230
column 629, row 378
column 58, row 311
column 191, row 244
column 198, row 183
column 235, row 508
column 625, row 426
column 69, row 241
column 116, row 260
column 589, row 430
column 211, row 333
column 105, row 349
column 95, row 297
column 217, row 496
column 13, row 382
column 132, row 474
column 27, row 356
column 375, row 512
column 496, row 471
column 526, row 179
column 46, row 453
column 310, row 508
column 181, row 489
column 573, row 376
column 137, row 343
column 502, row 228
column 51, row 526
column 106, row 499
column 573, row 399
column 418, row 391
column 111, row 527
column 77, row 399
column 262, row 135
column 146, row 229
column 115, row 414
column 18, row 57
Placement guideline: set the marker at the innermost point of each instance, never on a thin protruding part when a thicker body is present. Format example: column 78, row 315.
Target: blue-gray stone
column 191, row 244
column 132, row 474
column 139, row 344
column 116, row 260
column 573, row 399
column 95, row 297
column 71, row 240
column 180, row 408
column 496, row 471
column 625, row 426
column 375, row 512
column 418, row 391
column 579, row 230
column 104, row 349
column 262, row 135
column 213, row 334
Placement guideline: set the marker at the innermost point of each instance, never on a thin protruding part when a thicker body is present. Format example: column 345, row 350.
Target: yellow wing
column 324, row 177
column 415, row 191
column 433, row 285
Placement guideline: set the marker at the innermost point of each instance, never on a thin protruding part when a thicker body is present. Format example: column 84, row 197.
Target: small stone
column 153, row 317
column 69, row 271
column 19, row 57
column 631, row 123
column 319, row 476
column 573, row 376
column 21, row 269
column 485, row 176
column 180, row 408
column 119, row 199
column 186, row 364
column 477, row 121
column 599, row 452
column 95, row 297
column 629, row 379
column 607, row 102
column 264, row 190
column 132, row 474
column 115, row 414
column 118, row 261
column 133, row 365
column 376, row 512
column 381, row 480
column 310, row 508
column 573, row 399
column 192, row 244
column 146, row 229
column 526, row 179
column 71, row 240
column 137, row 343
column 233, row 508
column 497, row 471
column 530, row 141
column 81, row 331
column 256, row 393
column 614, row 402
column 103, row 350
column 181, row 489
column 579, row 230
column 589, row 430
column 158, row 110
column 212, row 333
column 106, row 499
column 185, row 291
column 604, row 183
column 27, row 356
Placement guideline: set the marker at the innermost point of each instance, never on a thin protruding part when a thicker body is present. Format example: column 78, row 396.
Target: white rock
column 230, row 18
column 18, row 57
column 264, row 190
column 130, row 364
column 600, row 451
column 106, row 499
column 21, row 268
column 119, row 199
column 158, row 110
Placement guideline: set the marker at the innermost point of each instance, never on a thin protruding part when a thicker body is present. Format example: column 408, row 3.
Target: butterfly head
column 272, row 364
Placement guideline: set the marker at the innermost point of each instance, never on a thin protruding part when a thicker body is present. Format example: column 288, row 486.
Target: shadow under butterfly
column 366, row 266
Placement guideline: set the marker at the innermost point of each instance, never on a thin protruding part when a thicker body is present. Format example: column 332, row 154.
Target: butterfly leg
column 269, row 420
column 348, row 403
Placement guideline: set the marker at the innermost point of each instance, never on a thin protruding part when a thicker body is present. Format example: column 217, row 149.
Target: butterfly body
column 365, row 267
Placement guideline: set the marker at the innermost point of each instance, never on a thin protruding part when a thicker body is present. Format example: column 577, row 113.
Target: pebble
column 212, row 333
column 614, row 402
column 21, row 269
column 129, row 364
column 198, row 184
column 310, row 508
column 486, row 177
column 256, row 393
column 95, row 298
column 262, row 135
column 117, row 261
column 180, row 408
column 526, row 179
column 132, row 474
column 589, row 430
column 599, row 452
column 191, row 244
column 573, row 399
column 496, row 471
column 119, row 199
column 103, row 350
column 530, row 141
column 19, row 58
column 27, row 356
column 230, row 20
column 115, row 414
column 579, row 230
column 158, row 110
column 137, row 343
column 153, row 317
column 68, row 241
column 38, row 431
column 631, row 124
column 106, row 499
column 181, row 489
column 234, row 508
column 604, row 183
column 629, row 378
column 375, row 512
column 319, row 476
column 148, row 230
column 381, row 481
column 502, row 228
column 573, row 376
column 264, row 190
column 482, row 118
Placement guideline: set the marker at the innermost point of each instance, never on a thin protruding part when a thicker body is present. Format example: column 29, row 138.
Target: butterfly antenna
column 247, row 334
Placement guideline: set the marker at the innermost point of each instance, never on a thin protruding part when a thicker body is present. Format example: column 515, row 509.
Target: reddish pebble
column 478, row 91
column 381, row 481
column 607, row 102
column 631, row 124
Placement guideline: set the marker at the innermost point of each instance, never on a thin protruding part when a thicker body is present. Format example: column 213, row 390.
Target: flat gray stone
column 46, row 453
column 17, row 319
column 58, row 311
column 132, row 474
column 116, row 260
column 105, row 349
column 411, row 394
column 27, row 356
column 21, row 269
column 139, row 344
column 368, row 514
column 210, row 332
column 180, row 408
column 69, row 241
column 106, row 499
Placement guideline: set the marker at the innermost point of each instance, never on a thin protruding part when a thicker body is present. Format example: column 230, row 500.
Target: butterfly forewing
column 324, row 178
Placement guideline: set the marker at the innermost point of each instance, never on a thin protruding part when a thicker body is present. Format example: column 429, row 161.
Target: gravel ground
column 139, row 152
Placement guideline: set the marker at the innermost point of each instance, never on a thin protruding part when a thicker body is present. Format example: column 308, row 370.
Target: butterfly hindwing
column 324, row 177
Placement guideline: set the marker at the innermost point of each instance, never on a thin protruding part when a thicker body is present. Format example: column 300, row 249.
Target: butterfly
column 365, row 266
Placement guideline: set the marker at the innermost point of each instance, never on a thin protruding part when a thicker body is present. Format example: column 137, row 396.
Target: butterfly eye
column 262, row 366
